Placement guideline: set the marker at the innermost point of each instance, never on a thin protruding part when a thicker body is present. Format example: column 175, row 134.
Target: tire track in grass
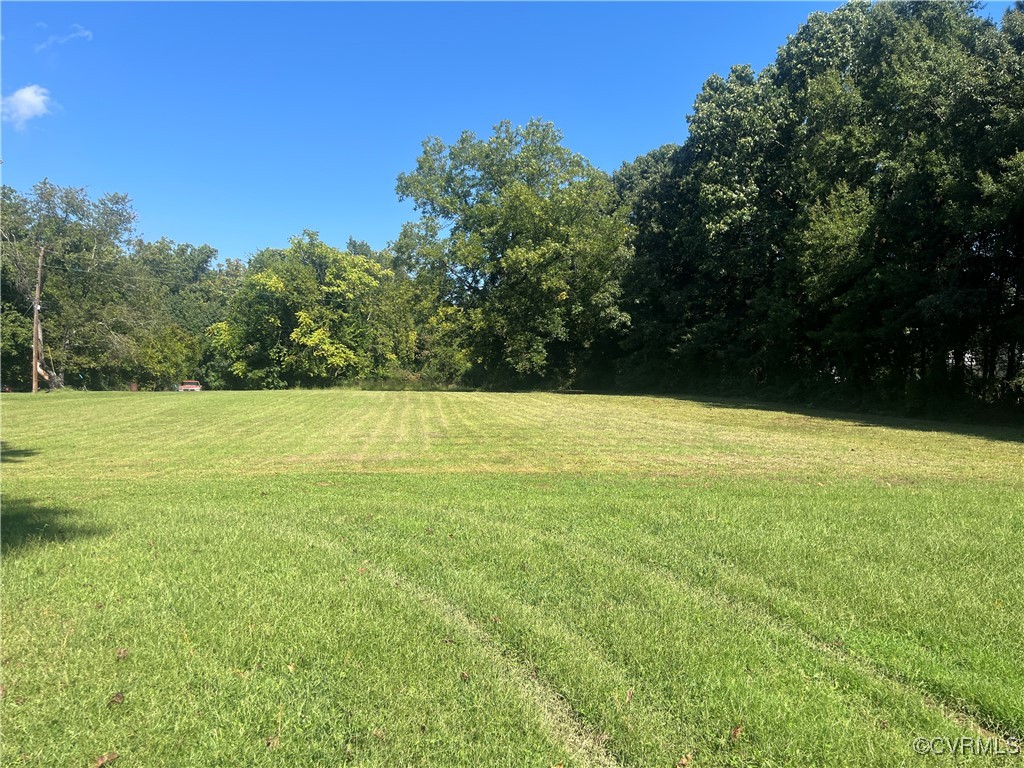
column 369, row 452
column 467, row 432
column 573, row 732
column 424, row 435
column 954, row 705
column 532, row 414
column 441, row 408
column 748, row 611
column 654, row 729
column 761, row 604
column 496, row 647
column 563, row 710
column 275, row 597
column 400, row 436
column 763, row 615
column 349, row 437
column 515, row 423
column 968, row 718
column 563, row 724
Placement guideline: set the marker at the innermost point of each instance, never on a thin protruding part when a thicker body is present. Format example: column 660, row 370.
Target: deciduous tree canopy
column 846, row 224
column 530, row 242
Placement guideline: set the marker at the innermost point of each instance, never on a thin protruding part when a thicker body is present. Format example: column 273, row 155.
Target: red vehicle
column 190, row 386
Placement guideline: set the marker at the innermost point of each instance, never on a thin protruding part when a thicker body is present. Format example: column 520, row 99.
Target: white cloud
column 77, row 31
column 26, row 103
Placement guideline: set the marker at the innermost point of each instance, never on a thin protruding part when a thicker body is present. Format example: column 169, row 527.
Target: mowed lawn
column 399, row 578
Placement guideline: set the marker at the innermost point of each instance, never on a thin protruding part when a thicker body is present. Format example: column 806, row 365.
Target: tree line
column 846, row 226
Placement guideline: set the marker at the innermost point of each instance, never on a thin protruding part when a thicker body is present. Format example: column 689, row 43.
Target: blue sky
column 241, row 124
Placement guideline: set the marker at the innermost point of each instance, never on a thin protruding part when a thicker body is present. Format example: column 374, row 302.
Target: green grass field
column 397, row 578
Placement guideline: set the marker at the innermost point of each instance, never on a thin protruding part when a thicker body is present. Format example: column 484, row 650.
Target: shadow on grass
column 9, row 453
column 25, row 523
column 997, row 432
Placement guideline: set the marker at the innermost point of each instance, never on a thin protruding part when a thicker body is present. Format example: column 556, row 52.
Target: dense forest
column 845, row 226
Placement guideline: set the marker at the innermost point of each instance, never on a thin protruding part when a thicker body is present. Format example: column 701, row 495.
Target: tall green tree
column 844, row 222
column 115, row 310
column 88, row 312
column 312, row 315
column 529, row 241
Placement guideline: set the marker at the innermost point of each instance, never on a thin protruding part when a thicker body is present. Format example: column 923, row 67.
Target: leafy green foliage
column 843, row 225
column 835, row 224
column 312, row 315
column 529, row 241
column 115, row 309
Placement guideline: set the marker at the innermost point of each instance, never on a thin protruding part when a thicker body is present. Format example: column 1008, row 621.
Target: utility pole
column 37, row 335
